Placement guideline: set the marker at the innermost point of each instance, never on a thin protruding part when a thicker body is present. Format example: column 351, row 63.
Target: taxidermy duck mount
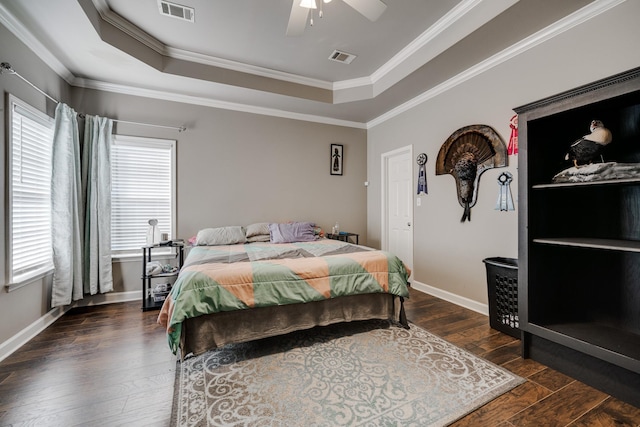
column 589, row 148
column 467, row 153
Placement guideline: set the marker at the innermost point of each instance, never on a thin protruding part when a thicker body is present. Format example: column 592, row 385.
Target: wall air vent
column 176, row 10
column 343, row 57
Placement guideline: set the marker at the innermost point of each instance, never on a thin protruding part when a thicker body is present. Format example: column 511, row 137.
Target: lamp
column 153, row 233
column 309, row 4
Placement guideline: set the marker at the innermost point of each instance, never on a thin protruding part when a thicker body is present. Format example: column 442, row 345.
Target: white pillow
column 257, row 229
column 259, row 238
column 221, row 236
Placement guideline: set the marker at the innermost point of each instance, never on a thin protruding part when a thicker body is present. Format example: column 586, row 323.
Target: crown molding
column 434, row 31
column 352, row 83
column 143, row 37
column 110, row 17
column 21, row 32
column 209, row 102
column 582, row 15
column 586, row 13
column 245, row 68
column 423, row 39
column 411, row 49
column 25, row 36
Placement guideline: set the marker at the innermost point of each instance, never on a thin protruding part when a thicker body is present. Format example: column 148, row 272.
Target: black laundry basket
column 502, row 284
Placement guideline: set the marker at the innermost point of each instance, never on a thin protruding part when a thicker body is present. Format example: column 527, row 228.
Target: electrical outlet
column 418, row 201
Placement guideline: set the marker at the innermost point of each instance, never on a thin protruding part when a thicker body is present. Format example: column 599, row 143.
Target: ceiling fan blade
column 297, row 19
column 371, row 9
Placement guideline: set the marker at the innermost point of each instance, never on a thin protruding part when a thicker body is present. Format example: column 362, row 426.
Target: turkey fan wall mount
column 466, row 154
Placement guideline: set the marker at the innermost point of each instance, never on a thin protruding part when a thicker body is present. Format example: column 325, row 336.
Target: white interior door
column 397, row 201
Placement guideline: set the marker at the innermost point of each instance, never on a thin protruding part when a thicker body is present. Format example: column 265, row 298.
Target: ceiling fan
column 371, row 9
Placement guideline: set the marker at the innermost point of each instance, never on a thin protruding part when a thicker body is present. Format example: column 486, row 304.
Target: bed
column 251, row 289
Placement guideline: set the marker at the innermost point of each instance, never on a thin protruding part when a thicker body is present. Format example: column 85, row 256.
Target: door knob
column 409, row 224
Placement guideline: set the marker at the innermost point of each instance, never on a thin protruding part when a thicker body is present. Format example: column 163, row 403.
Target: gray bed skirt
column 203, row 333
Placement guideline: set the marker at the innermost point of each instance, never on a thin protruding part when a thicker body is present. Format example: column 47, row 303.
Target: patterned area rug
column 354, row 374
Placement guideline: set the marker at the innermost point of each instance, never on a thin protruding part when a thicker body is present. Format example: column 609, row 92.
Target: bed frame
column 207, row 332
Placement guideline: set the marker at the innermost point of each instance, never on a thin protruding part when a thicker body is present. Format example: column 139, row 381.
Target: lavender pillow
column 293, row 232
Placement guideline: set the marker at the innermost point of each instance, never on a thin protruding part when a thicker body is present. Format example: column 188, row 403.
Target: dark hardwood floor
column 111, row 366
column 548, row 398
column 106, row 365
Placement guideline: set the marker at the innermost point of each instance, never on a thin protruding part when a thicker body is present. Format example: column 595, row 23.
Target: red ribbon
column 513, row 139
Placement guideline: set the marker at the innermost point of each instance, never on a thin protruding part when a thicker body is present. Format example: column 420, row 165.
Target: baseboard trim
column 108, row 298
column 21, row 338
column 452, row 298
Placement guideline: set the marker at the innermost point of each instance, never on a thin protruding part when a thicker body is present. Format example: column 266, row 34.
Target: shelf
column 589, row 184
column 579, row 245
column 150, row 304
column 173, row 244
column 158, row 276
column 611, row 344
column 608, row 244
column 344, row 236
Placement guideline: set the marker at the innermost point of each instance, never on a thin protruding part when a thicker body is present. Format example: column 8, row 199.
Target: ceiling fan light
column 327, row 1
column 309, row 4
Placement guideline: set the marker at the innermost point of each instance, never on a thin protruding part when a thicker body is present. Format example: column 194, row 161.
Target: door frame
column 384, row 199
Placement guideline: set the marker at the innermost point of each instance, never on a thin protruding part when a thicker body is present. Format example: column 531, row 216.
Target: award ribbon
column 513, row 138
column 422, row 180
column 505, row 201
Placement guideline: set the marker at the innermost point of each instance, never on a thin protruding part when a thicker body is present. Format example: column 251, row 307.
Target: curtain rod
column 5, row 67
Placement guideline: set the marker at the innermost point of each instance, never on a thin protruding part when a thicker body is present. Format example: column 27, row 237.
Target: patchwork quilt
column 238, row 277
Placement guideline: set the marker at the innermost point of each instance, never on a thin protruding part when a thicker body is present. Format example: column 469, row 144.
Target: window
column 142, row 188
column 29, row 187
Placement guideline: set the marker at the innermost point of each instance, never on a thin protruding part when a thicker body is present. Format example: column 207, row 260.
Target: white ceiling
column 236, row 54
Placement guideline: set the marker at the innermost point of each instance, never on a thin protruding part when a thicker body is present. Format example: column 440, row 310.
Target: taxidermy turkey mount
column 467, row 153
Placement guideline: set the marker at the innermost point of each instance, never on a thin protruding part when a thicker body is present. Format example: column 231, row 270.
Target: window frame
column 15, row 279
column 148, row 142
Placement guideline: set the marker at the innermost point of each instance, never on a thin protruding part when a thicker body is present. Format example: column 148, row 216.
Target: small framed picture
column 337, row 159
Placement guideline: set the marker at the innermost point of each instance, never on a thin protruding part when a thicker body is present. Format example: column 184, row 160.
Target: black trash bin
column 502, row 284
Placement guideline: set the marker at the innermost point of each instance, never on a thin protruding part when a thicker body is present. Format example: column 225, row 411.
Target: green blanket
column 243, row 276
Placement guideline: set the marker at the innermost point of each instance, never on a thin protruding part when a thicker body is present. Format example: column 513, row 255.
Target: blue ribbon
column 422, row 180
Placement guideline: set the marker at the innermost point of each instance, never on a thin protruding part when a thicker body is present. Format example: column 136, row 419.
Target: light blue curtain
column 66, row 207
column 81, row 207
column 96, row 182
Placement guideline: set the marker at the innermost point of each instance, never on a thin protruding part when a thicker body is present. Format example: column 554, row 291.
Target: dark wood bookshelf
column 579, row 242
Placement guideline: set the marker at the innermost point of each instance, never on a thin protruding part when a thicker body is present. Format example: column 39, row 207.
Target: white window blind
column 30, row 151
column 142, row 188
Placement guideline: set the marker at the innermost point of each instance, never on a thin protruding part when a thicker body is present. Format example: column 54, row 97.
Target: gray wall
column 448, row 254
column 237, row 168
column 21, row 308
column 233, row 168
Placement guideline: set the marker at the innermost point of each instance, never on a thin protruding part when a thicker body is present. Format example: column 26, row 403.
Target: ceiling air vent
column 176, row 10
column 343, row 57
